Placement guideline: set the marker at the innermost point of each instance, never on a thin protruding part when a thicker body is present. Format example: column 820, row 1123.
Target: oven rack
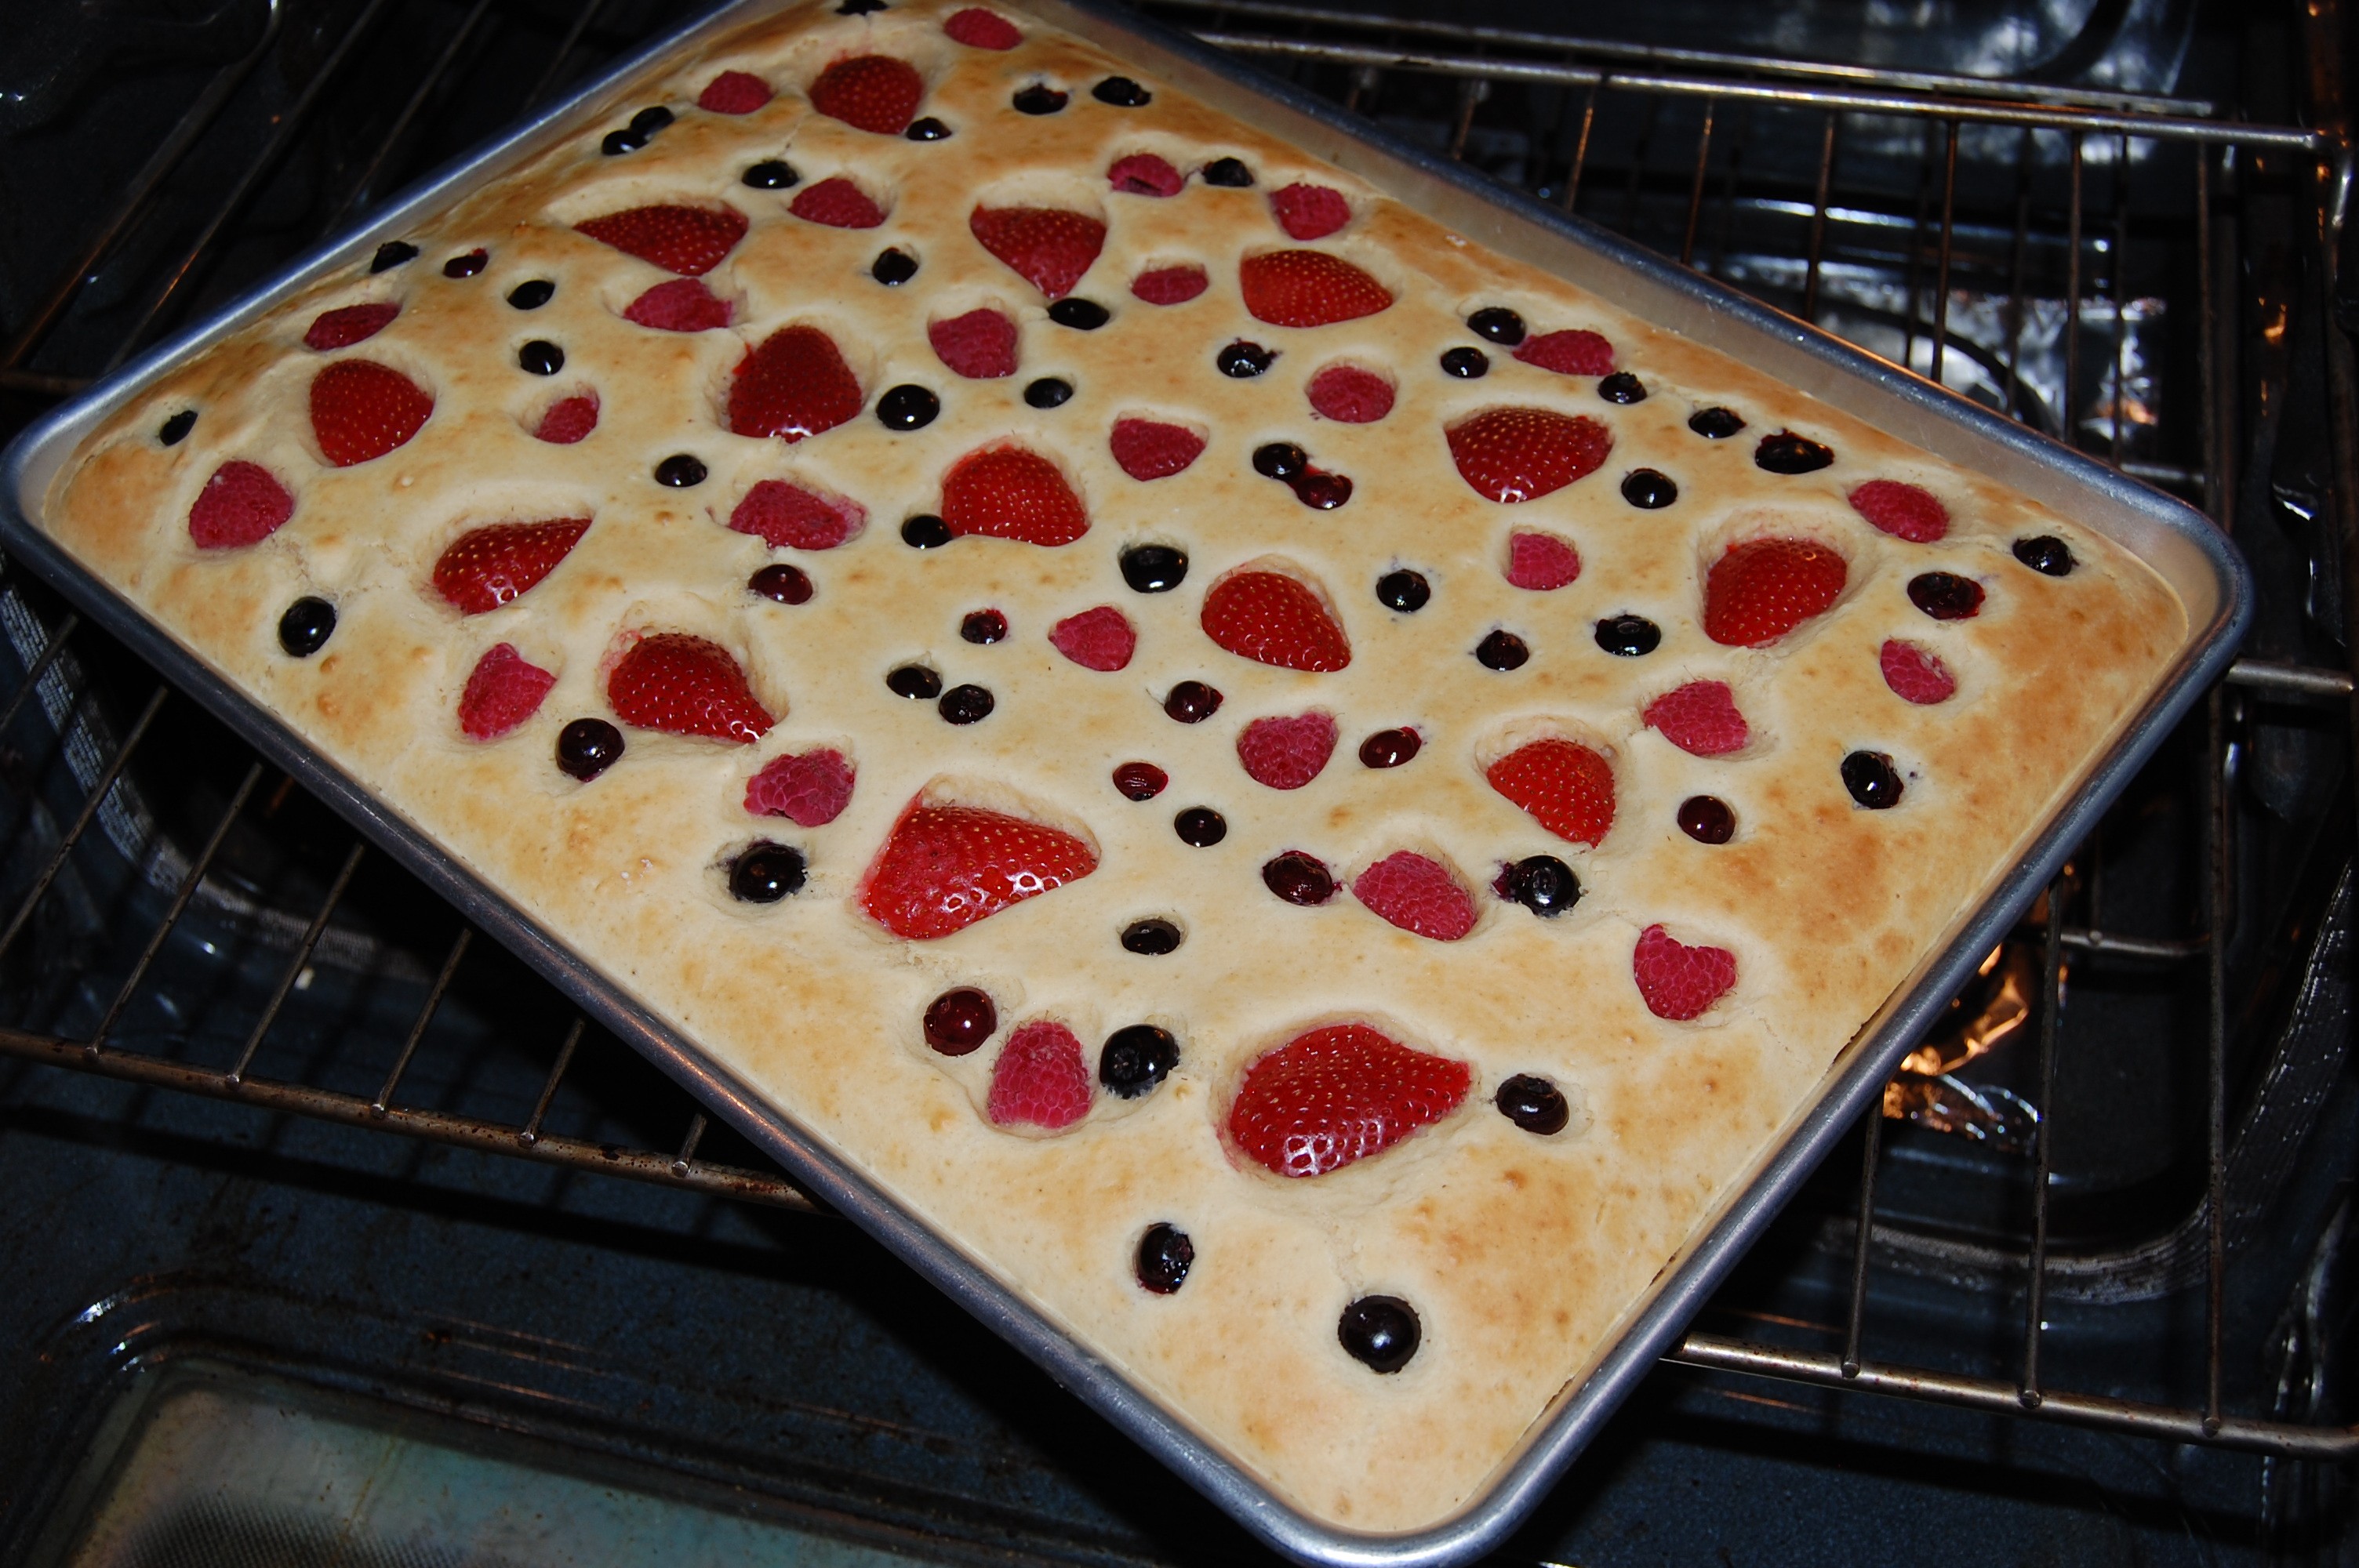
column 1575, row 80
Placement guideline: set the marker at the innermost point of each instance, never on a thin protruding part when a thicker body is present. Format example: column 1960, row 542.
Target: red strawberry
column 1541, row 562
column 486, row 567
column 1701, row 719
column 1679, row 982
column 870, row 93
column 788, row 517
column 352, row 324
column 1567, row 787
column 1416, row 894
column 689, row 241
column 1350, row 395
column 1511, row 455
column 1273, row 619
column 734, row 92
column 1100, row 639
column 1914, row 673
column 1144, row 174
column 1901, row 510
column 1309, row 211
column 361, row 410
column 567, row 420
column 501, row 694
column 1006, row 493
column 1170, row 284
column 1762, row 589
column 945, row 867
column 685, row 686
column 795, row 385
column 979, row 345
column 1576, row 352
column 243, row 504
column 809, row 790
column 980, row 29
column 836, row 202
column 1286, row 754
column 1045, row 246
column 1039, row 1079
column 683, row 304
column 1146, row 450
column 1339, row 1094
column 1307, row 289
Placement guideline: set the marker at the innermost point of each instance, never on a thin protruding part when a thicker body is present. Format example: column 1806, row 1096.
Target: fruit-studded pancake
column 1313, row 797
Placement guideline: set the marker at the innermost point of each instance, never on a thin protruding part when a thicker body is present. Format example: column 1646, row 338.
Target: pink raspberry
column 1309, row 211
column 1286, row 754
column 1039, row 1079
column 352, row 324
column 980, row 29
column 979, row 345
column 1679, row 982
column 1416, row 894
column 1144, row 174
column 567, row 420
column 1701, row 719
column 683, row 304
column 788, row 517
column 1574, row 352
column 1541, row 562
column 243, row 504
column 502, row 693
column 836, row 203
column 1350, row 395
column 1100, row 639
column 810, row 789
column 1914, row 673
column 733, row 93
column 1903, row 511
column 1170, row 284
column 1147, row 448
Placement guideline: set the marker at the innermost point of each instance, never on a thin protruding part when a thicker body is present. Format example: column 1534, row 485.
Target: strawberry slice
column 1170, row 284
column 1762, row 589
column 1007, row 492
column 486, row 567
column 1286, row 754
column 243, row 504
column 1541, row 563
column 689, row 241
column 870, row 93
column 788, row 517
column 1339, row 1093
column 685, row 686
column 1047, row 247
column 734, row 92
column 979, row 345
column 1039, row 1079
column 1145, row 449
column 1512, row 454
column 683, row 305
column 1416, row 894
column 1308, row 211
column 1903, row 511
column 810, row 789
column 1574, row 352
column 836, row 202
column 1274, row 619
column 1567, row 787
column 1701, row 719
column 352, row 324
column 1915, row 674
column 361, row 410
column 1101, row 638
column 795, row 385
column 569, row 420
column 1144, row 174
column 945, row 867
column 1679, row 982
column 502, row 692
column 979, row 29
column 1350, row 395
column 1307, row 289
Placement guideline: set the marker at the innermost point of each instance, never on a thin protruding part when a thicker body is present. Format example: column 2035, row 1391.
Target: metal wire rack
column 1699, row 205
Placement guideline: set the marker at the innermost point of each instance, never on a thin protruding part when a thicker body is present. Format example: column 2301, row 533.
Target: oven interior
column 322, row 1202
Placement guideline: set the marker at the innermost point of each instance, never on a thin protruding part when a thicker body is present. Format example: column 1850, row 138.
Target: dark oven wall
column 311, row 1188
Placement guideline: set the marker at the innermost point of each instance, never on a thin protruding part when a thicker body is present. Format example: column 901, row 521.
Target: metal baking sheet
column 2179, row 543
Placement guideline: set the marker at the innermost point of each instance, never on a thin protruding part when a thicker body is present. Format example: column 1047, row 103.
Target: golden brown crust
column 1521, row 1254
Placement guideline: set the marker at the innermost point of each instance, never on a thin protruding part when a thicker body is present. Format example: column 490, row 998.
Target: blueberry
column 1629, row 637
column 1622, row 388
column 1498, row 324
column 1192, row 702
column 541, row 357
column 1380, row 1332
column 1648, row 490
column 1199, row 827
column 681, row 472
column 588, row 747
column 859, row 7
column 893, row 268
column 1037, row 99
column 958, row 1021
column 1502, row 649
column 1541, row 883
column 1945, row 596
column 1707, row 819
column 391, row 254
column 764, row 872
column 966, row 705
column 984, row 626
column 2043, row 553
column 614, row 144
column 1533, row 1104
column 1049, row 391
column 1465, row 364
column 1081, row 315
column 1228, row 171
column 1154, row 569
column 907, row 407
column 1122, row 93
column 1242, row 361
column 928, row 129
column 1165, row 1256
column 1299, row 877
column 1151, row 938
column 467, row 265
column 781, row 583
column 1872, row 779
column 1321, row 492
column 649, row 121
column 1141, row 781
column 175, row 429
column 1136, row 1058
column 1390, row 748
column 1404, row 590
column 915, row 682
column 1279, row 459
column 306, row 626
column 926, row 531
column 1715, row 424
column 533, row 293
column 771, row 174
column 1786, row 452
